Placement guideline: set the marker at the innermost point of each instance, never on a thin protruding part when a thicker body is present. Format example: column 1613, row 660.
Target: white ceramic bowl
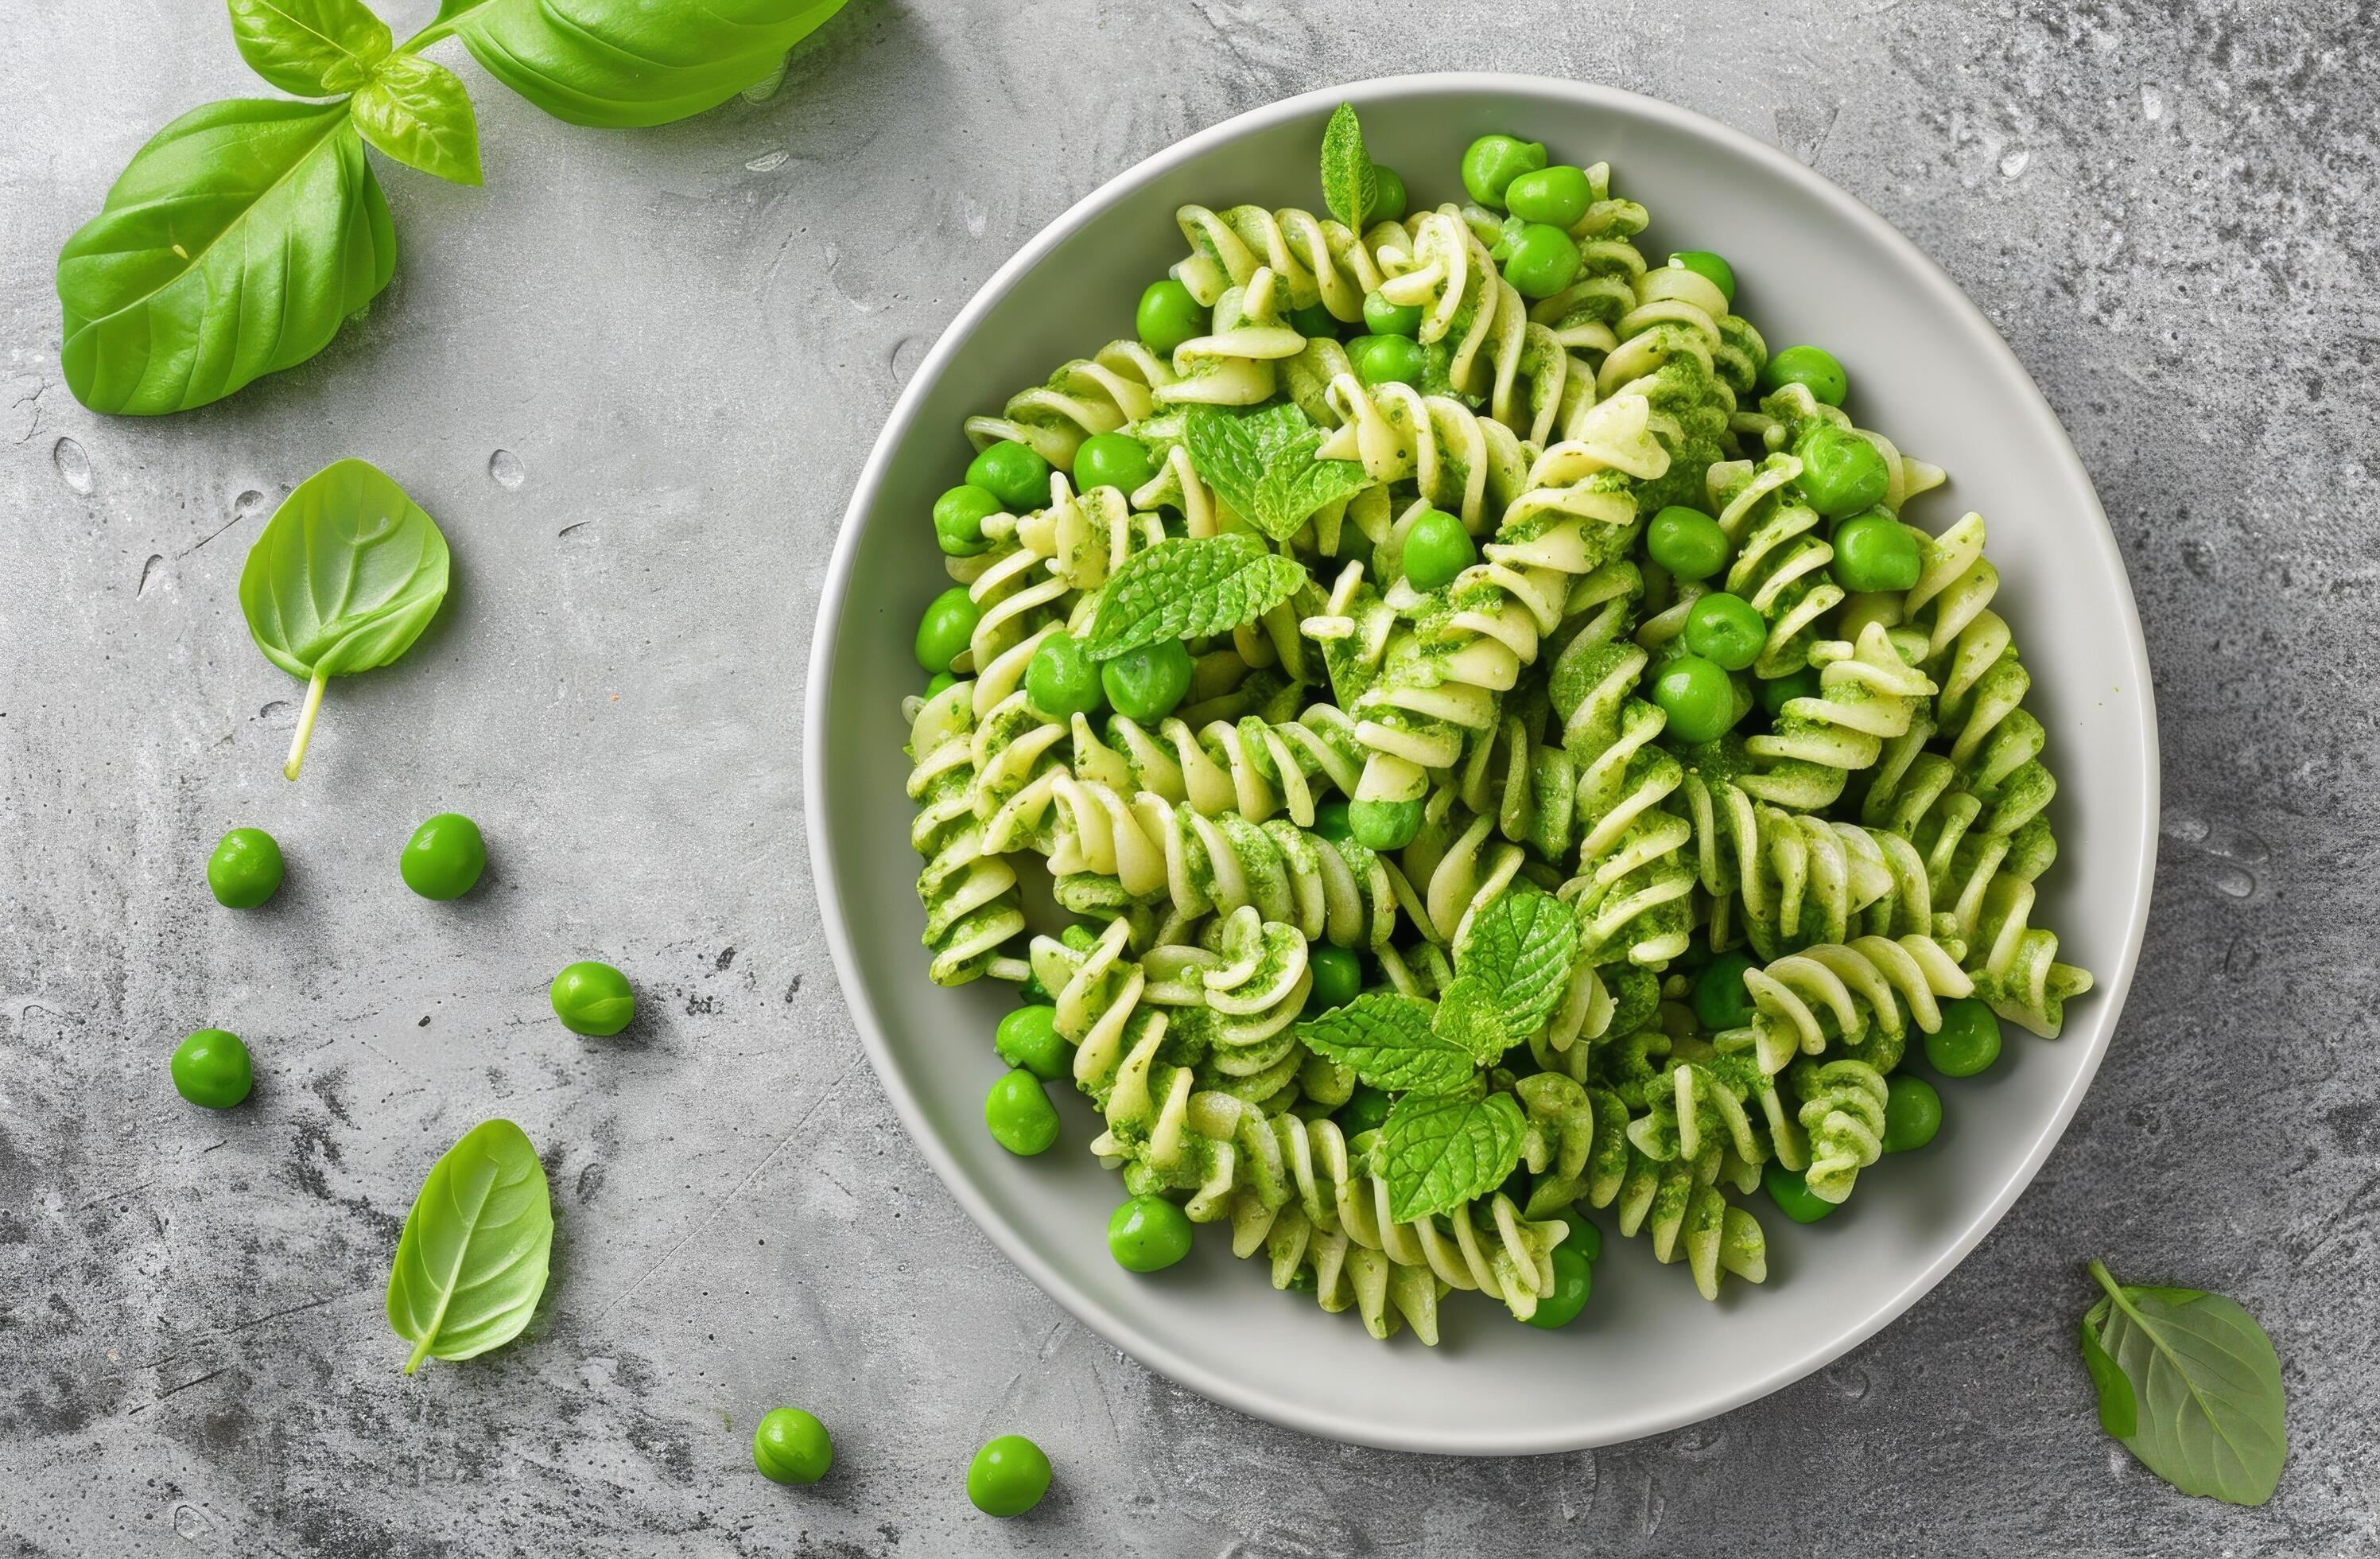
column 1647, row 1354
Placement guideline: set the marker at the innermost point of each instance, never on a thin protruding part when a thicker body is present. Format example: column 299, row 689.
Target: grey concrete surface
column 634, row 379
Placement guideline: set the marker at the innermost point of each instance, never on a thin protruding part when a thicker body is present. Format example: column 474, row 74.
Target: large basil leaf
column 2190, row 1383
column 472, row 1260
column 344, row 577
column 621, row 62
column 310, row 47
column 232, row 247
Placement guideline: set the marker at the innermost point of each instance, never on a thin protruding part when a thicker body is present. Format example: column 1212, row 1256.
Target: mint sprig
column 1521, row 948
column 1349, row 183
column 1263, row 466
column 1435, row 1154
column 1470, row 1016
column 1390, row 1043
column 1189, row 588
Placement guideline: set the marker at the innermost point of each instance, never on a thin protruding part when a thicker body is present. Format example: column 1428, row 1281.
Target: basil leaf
column 232, row 247
column 1263, row 465
column 472, row 1260
column 1435, row 1154
column 621, row 62
column 1189, row 588
column 344, row 577
column 1350, row 186
column 417, row 111
column 2202, row 1405
column 1521, row 947
column 2118, row 1405
column 1388, row 1040
column 310, row 47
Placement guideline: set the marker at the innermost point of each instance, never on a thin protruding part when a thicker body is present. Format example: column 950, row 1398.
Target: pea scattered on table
column 212, row 1068
column 1008, row 1477
column 245, row 870
column 593, row 999
column 444, row 857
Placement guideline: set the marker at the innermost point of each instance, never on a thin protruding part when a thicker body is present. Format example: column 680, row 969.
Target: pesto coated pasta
column 1502, row 751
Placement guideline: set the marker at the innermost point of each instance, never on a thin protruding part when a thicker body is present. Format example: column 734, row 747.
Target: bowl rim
column 1154, row 1351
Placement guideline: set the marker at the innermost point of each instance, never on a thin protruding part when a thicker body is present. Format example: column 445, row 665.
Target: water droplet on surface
column 74, row 466
column 767, row 86
column 976, row 214
column 907, row 353
column 2151, row 102
column 2232, row 882
column 1701, row 1443
column 247, row 504
column 2184, row 826
column 2247, row 847
column 277, row 710
column 767, row 160
column 189, row 1524
column 505, row 469
column 2014, row 162
column 148, row 573
column 1850, row 1381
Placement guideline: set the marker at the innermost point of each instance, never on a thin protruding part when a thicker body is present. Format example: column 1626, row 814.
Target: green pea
column 1574, row 1281
column 1148, row 1235
column 1813, row 367
column 1721, row 999
column 1008, row 1477
column 1028, row 1038
column 1390, row 360
column 1544, row 261
column 1145, row 684
column 940, row 682
column 592, row 999
column 959, row 515
column 1776, row 693
column 212, row 1067
column 792, row 1446
column 1709, row 267
column 1586, row 1236
column 1493, row 162
column 1315, row 320
column 1697, row 697
column 1725, row 630
column 1688, row 544
column 1437, row 550
column 444, row 857
column 1388, row 195
column 1875, row 552
column 1385, row 825
column 1384, row 318
column 1014, row 474
column 1338, row 976
column 245, row 870
column 1019, row 1115
column 1557, row 196
column 1060, row 680
column 1364, row 1110
column 1330, row 821
column 1841, row 472
column 1968, row 1041
column 1116, row 460
column 946, row 629
column 1168, row 316
column 1912, row 1113
column 1791, row 1191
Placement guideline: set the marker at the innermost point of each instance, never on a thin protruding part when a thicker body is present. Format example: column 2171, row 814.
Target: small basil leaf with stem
column 235, row 245
column 344, row 577
column 621, row 62
column 311, row 48
column 473, row 1258
column 418, row 112
column 2202, row 1401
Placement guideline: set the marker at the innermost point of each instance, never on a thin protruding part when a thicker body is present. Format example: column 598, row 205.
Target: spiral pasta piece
column 1994, row 743
column 1792, row 879
column 969, row 892
column 1519, row 368
column 1095, row 395
column 2015, row 964
column 1578, row 1148
column 1781, row 565
column 1471, row 465
column 1859, row 997
column 1688, row 1218
column 1842, row 1115
column 1251, row 766
column 1082, row 538
column 1236, row 363
column 1867, row 693
column 1319, row 260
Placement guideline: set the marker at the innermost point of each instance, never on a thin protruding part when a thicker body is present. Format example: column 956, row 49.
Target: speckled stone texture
column 634, row 380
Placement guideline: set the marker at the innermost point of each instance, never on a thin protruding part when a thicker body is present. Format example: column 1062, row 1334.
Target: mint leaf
column 2208, row 1376
column 1263, row 465
column 1349, row 183
column 1470, row 1014
column 1521, row 947
column 1435, row 1154
column 1388, row 1040
column 1189, row 589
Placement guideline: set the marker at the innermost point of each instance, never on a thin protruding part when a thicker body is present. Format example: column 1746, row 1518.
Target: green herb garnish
column 2190, row 1383
column 472, row 1260
column 1189, row 588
